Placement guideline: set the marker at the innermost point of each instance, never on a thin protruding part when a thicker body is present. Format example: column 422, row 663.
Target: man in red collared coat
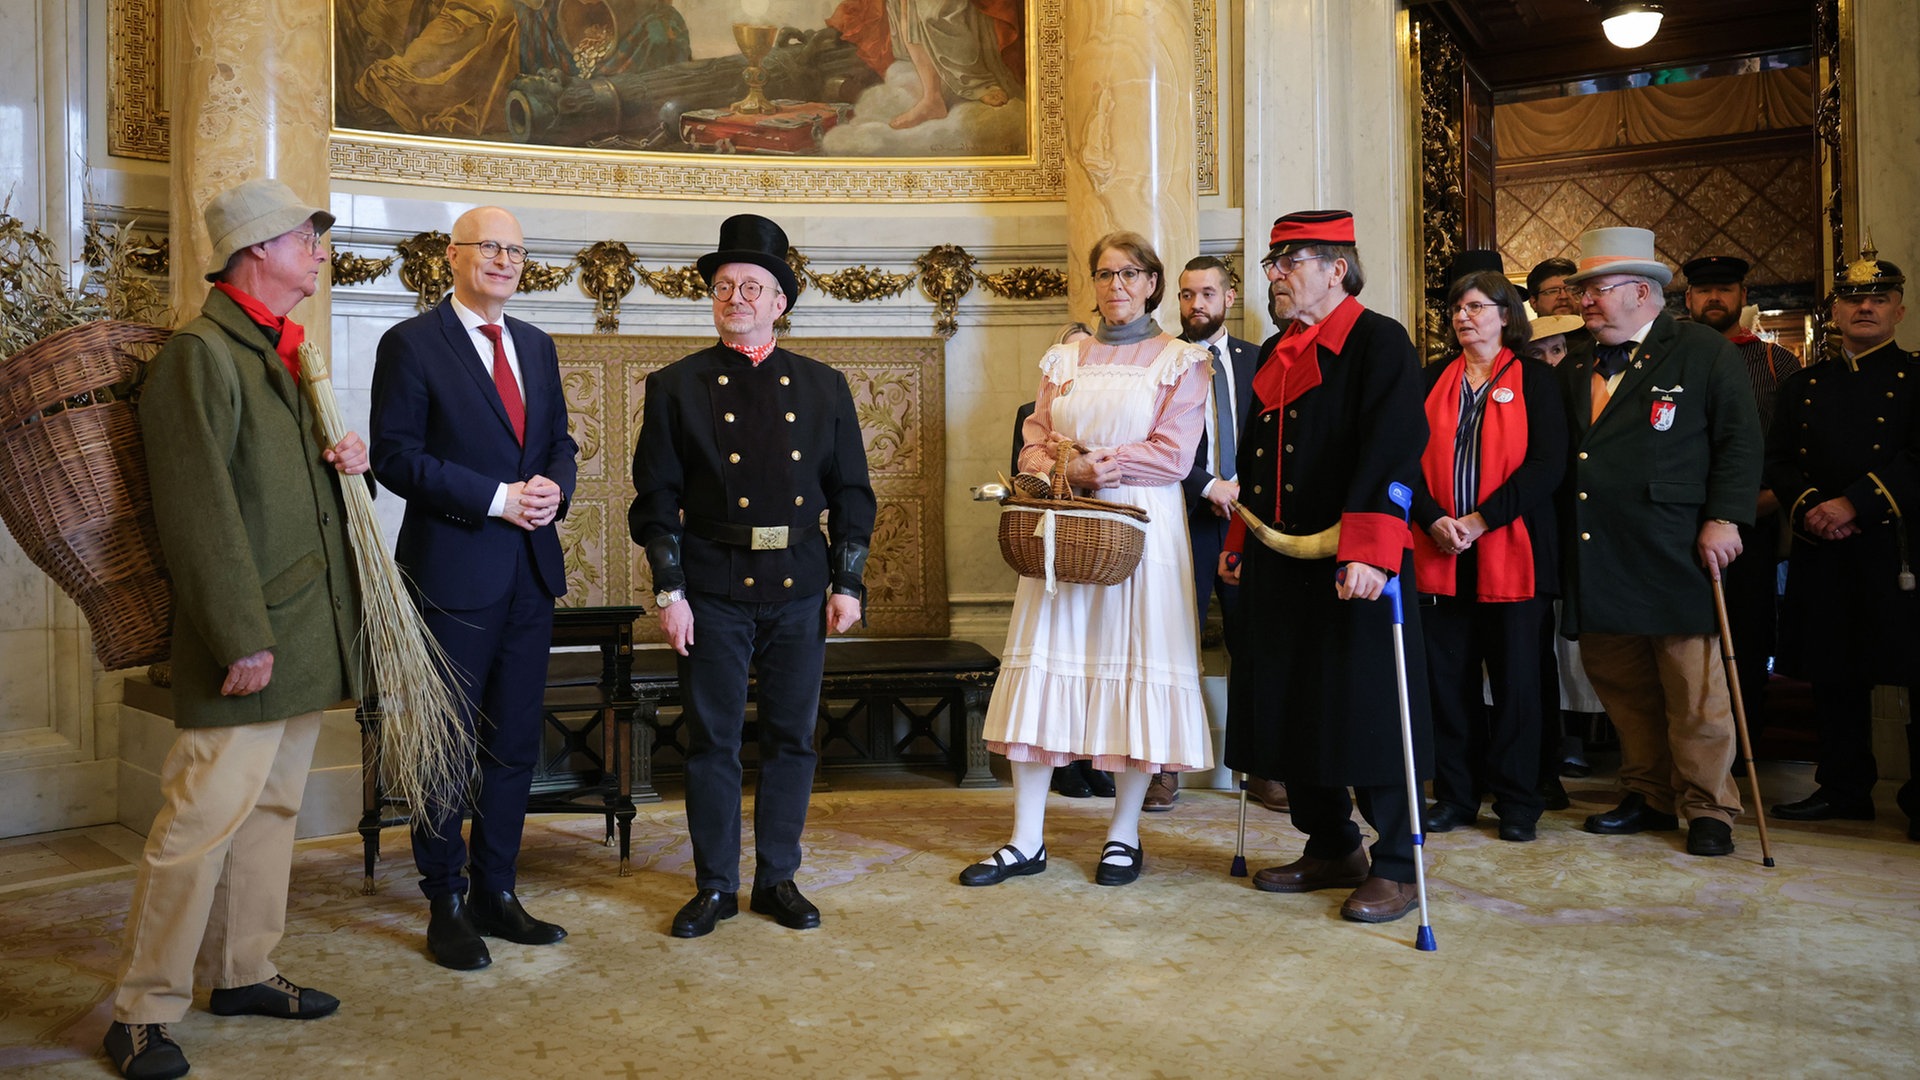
column 1313, row 698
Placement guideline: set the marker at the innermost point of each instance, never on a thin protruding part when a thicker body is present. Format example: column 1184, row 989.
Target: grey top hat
column 1619, row 250
column 253, row 213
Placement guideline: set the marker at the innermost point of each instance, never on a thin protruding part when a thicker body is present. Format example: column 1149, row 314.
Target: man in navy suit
column 1206, row 295
column 469, row 426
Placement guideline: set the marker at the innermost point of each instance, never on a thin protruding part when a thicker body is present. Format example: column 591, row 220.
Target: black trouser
column 1460, row 636
column 1325, row 815
column 1847, row 771
column 499, row 653
column 784, row 645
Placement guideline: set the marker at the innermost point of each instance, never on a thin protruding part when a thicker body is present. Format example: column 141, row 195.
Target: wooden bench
column 608, row 715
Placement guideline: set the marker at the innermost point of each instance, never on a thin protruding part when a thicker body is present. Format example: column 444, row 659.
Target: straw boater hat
column 1621, row 250
column 750, row 238
column 1547, row 326
column 254, row 213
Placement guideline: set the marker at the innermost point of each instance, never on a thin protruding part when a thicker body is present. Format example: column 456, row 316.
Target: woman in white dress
column 1108, row 673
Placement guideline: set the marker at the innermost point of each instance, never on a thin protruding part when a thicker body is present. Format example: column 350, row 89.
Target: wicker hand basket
column 73, row 483
column 1063, row 537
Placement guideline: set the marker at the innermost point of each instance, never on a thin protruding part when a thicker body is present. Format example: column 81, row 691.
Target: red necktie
column 503, row 382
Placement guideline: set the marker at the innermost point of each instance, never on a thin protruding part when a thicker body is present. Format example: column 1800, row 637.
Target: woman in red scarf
column 1485, row 556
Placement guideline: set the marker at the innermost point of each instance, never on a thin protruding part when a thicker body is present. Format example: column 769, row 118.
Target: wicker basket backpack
column 73, row 483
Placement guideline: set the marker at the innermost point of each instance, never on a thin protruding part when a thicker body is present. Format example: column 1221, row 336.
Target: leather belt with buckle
column 752, row 537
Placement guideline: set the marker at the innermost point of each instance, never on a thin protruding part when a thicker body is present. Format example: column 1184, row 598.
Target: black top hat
column 1715, row 270
column 1470, row 261
column 750, row 238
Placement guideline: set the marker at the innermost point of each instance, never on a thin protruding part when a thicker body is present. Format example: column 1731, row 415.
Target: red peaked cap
column 1312, row 227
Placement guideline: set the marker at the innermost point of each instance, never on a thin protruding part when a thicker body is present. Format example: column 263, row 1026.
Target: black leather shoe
column 1007, row 862
column 1821, row 806
column 788, row 908
column 1518, row 832
column 697, row 916
column 1098, row 782
column 144, row 1051
column 1554, row 793
column 1119, row 873
column 1446, row 817
column 1070, row 782
column 1709, row 836
column 452, row 940
column 499, row 914
column 1631, row 816
column 275, row 997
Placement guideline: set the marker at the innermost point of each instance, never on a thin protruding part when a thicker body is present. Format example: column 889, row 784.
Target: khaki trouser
column 1667, row 696
column 213, row 879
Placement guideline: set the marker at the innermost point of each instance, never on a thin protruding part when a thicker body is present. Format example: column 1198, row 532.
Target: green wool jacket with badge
column 252, row 524
column 1679, row 444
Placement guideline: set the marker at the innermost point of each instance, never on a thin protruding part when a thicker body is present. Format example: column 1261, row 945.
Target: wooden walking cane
column 1740, row 718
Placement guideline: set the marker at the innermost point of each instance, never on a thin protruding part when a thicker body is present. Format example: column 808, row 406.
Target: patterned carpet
column 1574, row 955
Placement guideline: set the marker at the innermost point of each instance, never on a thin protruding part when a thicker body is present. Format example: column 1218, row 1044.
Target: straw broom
column 427, row 755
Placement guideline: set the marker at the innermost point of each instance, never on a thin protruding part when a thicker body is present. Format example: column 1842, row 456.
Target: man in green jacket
column 249, row 513
column 1666, row 461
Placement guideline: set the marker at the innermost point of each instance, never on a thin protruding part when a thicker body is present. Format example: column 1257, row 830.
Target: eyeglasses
column 1128, row 275
column 1595, row 292
column 748, row 290
column 491, row 249
column 314, row 241
column 1273, row 262
column 1554, row 290
column 1472, row 308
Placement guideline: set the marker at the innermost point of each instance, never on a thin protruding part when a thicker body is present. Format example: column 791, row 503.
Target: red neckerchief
column 291, row 333
column 1505, row 554
column 755, row 353
column 1744, row 337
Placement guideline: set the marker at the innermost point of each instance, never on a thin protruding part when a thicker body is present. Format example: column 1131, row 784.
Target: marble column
column 1885, row 85
column 1327, row 126
column 248, row 86
column 1129, row 110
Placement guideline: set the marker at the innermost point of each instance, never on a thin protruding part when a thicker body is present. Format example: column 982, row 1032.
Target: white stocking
column 1032, row 780
column 1129, row 792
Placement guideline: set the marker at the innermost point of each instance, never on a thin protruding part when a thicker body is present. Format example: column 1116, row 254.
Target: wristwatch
column 665, row 600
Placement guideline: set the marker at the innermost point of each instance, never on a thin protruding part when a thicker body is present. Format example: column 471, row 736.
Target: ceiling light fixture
column 1630, row 24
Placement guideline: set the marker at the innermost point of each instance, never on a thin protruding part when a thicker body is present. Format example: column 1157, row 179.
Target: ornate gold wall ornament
column 351, row 269
column 855, row 284
column 606, row 274
column 137, row 114
column 1443, row 198
column 674, row 282
column 1833, row 123
column 424, row 269
column 1026, row 283
column 1206, row 157
column 946, row 276
column 546, row 277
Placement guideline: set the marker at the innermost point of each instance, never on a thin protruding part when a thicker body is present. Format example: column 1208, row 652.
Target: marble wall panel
column 1885, row 87
column 26, row 683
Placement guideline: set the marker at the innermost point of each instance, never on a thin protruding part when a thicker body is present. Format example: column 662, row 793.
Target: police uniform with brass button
column 1850, row 427
column 736, row 463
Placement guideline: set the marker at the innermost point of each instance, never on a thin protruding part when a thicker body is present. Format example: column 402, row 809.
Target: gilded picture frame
column 138, row 128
